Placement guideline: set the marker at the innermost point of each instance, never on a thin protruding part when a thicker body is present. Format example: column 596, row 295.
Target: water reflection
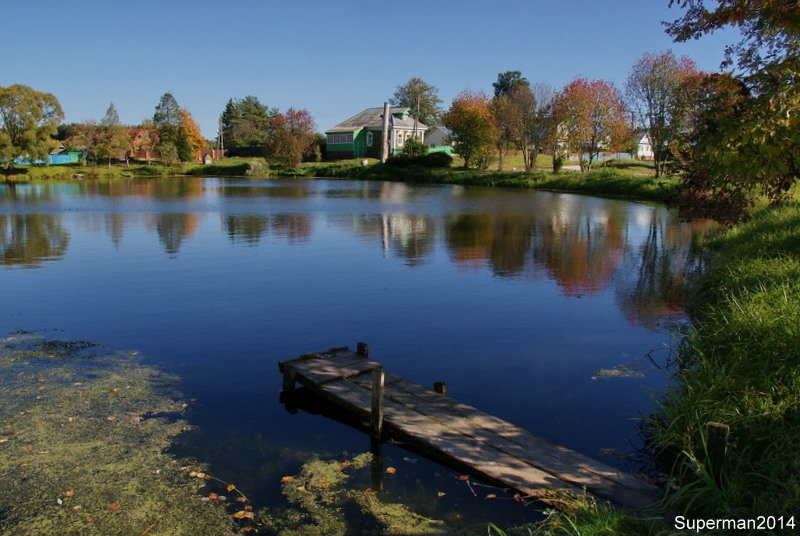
column 640, row 253
column 28, row 240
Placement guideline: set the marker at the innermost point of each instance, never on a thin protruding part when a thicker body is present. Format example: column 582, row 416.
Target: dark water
column 515, row 299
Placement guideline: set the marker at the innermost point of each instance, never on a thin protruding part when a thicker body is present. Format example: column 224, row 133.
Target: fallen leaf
column 77, row 507
column 391, row 470
column 491, row 496
column 90, row 520
column 114, row 506
column 69, row 493
column 287, row 479
column 113, row 390
column 70, row 419
column 230, row 487
column 369, row 490
column 41, row 380
column 244, row 514
column 464, row 477
column 241, row 499
column 213, row 496
column 345, row 463
column 111, row 418
column 248, row 508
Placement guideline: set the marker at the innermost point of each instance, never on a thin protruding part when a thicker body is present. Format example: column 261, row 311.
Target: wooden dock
column 487, row 446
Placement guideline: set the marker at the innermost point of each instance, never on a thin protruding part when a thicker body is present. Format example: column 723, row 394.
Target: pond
column 551, row 310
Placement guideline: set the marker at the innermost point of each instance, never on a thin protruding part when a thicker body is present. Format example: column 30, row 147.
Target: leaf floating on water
column 230, row 487
column 114, row 506
column 491, row 496
column 464, row 477
column 369, row 490
column 244, row 514
column 241, row 499
column 248, row 508
column 391, row 470
column 441, row 493
column 69, row 493
column 213, row 496
column 345, row 464
column 287, row 479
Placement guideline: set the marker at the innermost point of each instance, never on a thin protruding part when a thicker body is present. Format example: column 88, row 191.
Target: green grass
column 607, row 181
column 742, row 368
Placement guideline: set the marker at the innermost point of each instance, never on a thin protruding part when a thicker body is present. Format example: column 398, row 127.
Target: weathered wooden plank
column 487, row 445
column 482, row 458
column 561, row 461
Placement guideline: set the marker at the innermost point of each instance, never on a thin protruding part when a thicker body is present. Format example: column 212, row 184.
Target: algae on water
column 83, row 434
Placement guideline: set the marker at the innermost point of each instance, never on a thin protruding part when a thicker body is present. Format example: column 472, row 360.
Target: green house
column 361, row 136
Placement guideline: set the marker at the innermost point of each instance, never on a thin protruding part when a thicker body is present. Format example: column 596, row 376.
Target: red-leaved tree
column 291, row 135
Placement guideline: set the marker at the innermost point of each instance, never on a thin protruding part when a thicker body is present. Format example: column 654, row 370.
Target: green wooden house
column 360, row 135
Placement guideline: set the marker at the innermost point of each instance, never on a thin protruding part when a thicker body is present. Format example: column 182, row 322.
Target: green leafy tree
column 415, row 147
column 115, row 140
column 422, row 98
column 168, row 153
column 245, row 122
column 28, row 122
column 507, row 81
column 168, row 112
column 746, row 140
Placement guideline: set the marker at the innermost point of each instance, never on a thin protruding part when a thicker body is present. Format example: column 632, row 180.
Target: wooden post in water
column 289, row 374
column 376, row 415
column 717, row 445
column 363, row 349
column 440, row 387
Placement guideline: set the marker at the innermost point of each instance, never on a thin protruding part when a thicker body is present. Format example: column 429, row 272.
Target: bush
column 428, row 160
column 415, row 148
column 558, row 163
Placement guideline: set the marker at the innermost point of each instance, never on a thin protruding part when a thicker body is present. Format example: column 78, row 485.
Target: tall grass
column 742, row 368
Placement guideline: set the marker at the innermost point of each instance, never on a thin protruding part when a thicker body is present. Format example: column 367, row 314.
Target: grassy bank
column 254, row 167
column 741, row 368
column 608, row 181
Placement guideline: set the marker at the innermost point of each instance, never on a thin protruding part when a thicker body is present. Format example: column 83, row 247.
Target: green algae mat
column 84, row 450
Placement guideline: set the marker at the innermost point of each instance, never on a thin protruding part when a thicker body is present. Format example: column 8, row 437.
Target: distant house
column 58, row 155
column 644, row 149
column 439, row 139
column 361, row 134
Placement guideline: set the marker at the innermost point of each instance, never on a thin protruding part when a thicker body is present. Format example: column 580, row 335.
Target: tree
column 470, row 120
column 28, row 120
column 507, row 81
column 659, row 91
column 291, row 136
column 589, row 117
column 747, row 128
column 167, row 112
column 146, row 139
column 422, row 98
column 113, row 138
column 245, row 122
column 191, row 131
column 506, row 117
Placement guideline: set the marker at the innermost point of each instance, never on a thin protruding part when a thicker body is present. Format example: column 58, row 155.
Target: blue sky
column 334, row 58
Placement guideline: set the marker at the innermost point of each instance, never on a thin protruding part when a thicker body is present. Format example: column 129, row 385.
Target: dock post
column 376, row 466
column 440, row 387
column 363, row 349
column 289, row 377
column 717, row 445
column 376, row 415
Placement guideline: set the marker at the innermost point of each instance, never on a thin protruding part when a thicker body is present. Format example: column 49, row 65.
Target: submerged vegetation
column 83, row 435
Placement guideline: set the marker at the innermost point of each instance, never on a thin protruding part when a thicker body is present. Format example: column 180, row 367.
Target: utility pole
column 385, row 144
column 220, row 140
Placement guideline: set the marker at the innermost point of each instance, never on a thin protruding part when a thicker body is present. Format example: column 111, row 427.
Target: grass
column 742, row 368
column 607, row 181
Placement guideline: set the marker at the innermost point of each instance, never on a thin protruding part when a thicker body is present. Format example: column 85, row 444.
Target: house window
column 369, row 139
column 340, row 138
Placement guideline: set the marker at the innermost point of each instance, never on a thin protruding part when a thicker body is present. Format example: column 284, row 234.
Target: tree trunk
column 500, row 158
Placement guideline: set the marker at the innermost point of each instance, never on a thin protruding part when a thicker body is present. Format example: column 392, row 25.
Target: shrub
column 415, row 148
column 438, row 160
column 428, row 160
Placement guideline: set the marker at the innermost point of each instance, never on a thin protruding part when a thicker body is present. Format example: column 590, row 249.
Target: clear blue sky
column 334, row 58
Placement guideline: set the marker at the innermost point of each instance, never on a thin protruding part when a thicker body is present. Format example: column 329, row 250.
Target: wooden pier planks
column 483, row 443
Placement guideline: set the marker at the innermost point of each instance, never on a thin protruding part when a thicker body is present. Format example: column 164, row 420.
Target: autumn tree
column 590, row 116
column 291, row 136
column 191, row 130
column 422, row 98
column 748, row 138
column 659, row 91
column 470, row 120
column 245, row 122
column 113, row 139
column 28, row 121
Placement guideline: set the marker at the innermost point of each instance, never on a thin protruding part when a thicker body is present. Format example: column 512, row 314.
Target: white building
column 644, row 149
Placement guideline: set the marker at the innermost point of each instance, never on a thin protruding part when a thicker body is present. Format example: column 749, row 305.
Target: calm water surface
column 518, row 300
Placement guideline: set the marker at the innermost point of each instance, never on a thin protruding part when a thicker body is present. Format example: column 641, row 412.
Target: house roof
column 371, row 119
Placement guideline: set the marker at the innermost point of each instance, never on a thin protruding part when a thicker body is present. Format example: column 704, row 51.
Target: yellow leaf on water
column 241, row 499
column 287, row 479
column 491, row 496
column 244, row 514
column 464, row 477
column 345, row 464
column 231, row 487
column 391, row 470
